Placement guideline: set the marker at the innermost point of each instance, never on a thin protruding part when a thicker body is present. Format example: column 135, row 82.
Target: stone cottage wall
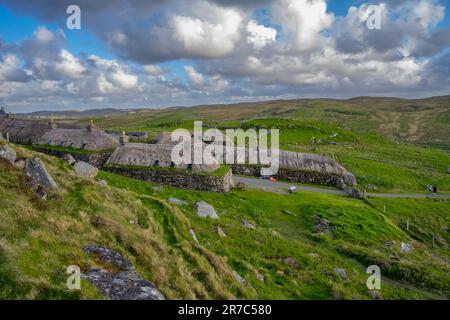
column 314, row 177
column 178, row 179
column 96, row 159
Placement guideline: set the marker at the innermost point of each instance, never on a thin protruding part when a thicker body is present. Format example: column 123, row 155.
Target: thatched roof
column 310, row 162
column 94, row 140
column 145, row 155
column 287, row 159
column 23, row 131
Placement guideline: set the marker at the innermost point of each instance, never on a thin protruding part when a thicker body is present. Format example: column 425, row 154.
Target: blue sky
column 204, row 51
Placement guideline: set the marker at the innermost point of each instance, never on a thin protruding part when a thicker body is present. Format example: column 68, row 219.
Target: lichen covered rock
column 35, row 169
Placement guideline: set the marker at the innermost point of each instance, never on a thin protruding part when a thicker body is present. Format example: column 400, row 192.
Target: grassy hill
column 39, row 239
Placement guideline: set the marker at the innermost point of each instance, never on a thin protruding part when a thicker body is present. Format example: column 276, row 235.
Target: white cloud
column 305, row 19
column 153, row 70
column 260, row 36
column 210, row 38
column 44, row 35
column 195, row 77
column 68, row 65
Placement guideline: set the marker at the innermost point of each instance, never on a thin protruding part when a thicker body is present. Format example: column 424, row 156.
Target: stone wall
column 314, row 177
column 178, row 179
column 96, row 159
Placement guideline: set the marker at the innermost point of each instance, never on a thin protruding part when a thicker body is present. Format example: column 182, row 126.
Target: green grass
column 40, row 239
column 362, row 232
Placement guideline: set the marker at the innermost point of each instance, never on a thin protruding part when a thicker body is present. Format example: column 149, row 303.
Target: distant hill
column 79, row 114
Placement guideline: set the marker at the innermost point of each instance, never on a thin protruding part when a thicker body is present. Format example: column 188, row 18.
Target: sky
column 160, row 53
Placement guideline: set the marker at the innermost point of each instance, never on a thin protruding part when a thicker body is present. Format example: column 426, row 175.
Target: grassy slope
column 40, row 239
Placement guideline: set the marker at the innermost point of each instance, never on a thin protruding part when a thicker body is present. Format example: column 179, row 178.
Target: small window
column 189, row 166
column 172, row 164
column 156, row 164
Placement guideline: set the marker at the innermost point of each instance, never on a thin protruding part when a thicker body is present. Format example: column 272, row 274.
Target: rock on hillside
column 8, row 153
column 125, row 284
column 34, row 168
column 206, row 210
column 85, row 170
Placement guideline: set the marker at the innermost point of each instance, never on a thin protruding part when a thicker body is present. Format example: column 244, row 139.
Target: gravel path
column 267, row 185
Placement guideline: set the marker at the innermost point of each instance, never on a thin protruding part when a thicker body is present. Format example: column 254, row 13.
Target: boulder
column 247, row 224
column 8, row 153
column 85, row 170
column 123, row 284
column 69, row 159
column 177, row 201
column 34, row 168
column 206, row 210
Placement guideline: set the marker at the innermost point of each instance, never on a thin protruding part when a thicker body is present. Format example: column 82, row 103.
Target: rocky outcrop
column 206, row 210
column 85, row 170
column 8, row 153
column 34, row 168
column 125, row 283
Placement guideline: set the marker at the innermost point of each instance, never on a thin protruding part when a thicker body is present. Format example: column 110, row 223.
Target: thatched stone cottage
column 153, row 163
column 23, row 131
column 89, row 138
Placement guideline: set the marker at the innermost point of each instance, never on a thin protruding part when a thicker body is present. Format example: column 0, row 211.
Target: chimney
column 91, row 126
column 123, row 139
column 52, row 123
